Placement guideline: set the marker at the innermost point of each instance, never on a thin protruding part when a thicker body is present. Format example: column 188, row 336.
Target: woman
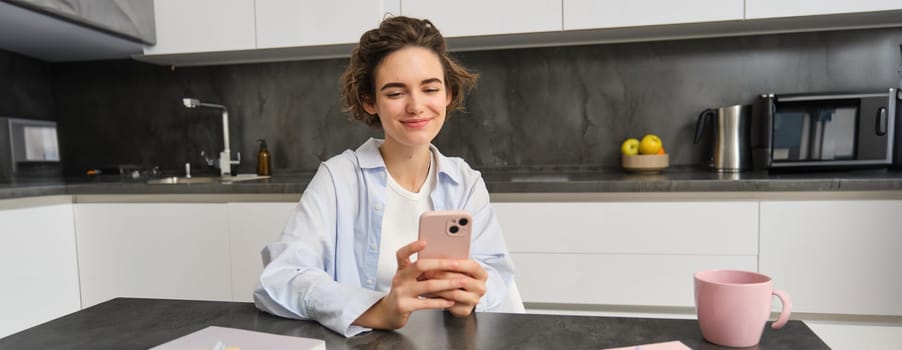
column 344, row 259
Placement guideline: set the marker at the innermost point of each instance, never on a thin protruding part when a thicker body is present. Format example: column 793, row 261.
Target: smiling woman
column 411, row 103
column 344, row 259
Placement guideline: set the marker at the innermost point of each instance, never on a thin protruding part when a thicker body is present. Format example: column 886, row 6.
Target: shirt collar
column 369, row 157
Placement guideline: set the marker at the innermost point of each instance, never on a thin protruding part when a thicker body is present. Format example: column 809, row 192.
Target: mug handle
column 787, row 309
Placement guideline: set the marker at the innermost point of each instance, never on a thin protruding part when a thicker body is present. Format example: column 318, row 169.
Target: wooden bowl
column 646, row 163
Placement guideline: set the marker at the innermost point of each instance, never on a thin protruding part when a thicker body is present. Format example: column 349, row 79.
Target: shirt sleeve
column 298, row 280
column 489, row 249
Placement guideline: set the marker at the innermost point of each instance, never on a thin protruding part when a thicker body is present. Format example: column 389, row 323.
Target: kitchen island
column 126, row 323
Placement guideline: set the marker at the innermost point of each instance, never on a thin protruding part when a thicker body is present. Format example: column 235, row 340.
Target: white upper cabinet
column 591, row 14
column 287, row 23
column 203, row 26
column 233, row 31
column 476, row 17
column 778, row 8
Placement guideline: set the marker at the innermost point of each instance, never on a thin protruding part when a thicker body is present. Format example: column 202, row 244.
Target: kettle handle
column 700, row 124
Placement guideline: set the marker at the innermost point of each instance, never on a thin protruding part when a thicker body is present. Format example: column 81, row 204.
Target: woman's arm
column 299, row 281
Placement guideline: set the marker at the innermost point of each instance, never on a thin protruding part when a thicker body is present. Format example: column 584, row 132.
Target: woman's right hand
column 393, row 310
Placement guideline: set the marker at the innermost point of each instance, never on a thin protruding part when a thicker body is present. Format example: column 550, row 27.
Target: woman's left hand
column 465, row 298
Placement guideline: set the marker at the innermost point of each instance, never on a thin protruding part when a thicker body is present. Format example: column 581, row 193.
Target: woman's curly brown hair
column 395, row 33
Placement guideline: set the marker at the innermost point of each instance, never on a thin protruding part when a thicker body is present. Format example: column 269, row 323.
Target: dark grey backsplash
column 25, row 87
column 537, row 108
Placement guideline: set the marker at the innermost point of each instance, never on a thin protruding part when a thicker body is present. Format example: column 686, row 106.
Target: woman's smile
column 417, row 123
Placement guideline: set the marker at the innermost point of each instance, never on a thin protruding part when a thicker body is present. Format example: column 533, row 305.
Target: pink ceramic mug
column 733, row 306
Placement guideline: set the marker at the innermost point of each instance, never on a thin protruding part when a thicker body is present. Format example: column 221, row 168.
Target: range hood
column 57, row 36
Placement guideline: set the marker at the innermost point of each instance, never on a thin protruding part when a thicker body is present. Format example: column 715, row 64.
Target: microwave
column 29, row 149
column 824, row 130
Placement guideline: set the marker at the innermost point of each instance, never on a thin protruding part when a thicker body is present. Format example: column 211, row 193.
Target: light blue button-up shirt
column 324, row 266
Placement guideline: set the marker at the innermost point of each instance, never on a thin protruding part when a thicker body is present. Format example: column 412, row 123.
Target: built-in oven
column 824, row 130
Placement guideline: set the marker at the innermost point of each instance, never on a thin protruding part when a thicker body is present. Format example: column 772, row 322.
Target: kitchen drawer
column 614, row 279
column 836, row 257
column 700, row 228
column 153, row 250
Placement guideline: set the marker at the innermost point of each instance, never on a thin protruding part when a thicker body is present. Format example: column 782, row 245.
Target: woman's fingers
column 445, row 275
column 407, row 285
column 413, row 304
column 468, row 268
column 456, row 285
column 432, row 287
column 403, row 254
column 423, row 266
column 473, row 269
column 459, row 296
column 408, row 298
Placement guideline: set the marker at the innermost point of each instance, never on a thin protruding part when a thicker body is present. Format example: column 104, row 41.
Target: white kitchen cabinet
column 251, row 227
column 776, row 8
column 203, row 26
column 617, row 279
column 625, row 253
column 475, row 17
column 199, row 32
column 286, row 23
column 592, row 14
column 153, row 250
column 38, row 266
column 839, row 257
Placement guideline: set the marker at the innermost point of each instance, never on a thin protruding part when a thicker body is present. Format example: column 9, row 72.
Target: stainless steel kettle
column 731, row 147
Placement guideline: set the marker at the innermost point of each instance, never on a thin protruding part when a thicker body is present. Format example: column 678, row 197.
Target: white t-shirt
column 400, row 223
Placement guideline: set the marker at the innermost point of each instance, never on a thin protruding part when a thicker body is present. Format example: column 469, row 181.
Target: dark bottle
column 263, row 160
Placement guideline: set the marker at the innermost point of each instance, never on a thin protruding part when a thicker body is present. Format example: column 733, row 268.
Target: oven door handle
column 881, row 121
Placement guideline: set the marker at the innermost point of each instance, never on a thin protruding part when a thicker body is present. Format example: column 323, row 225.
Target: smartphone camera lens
column 454, row 229
column 463, row 222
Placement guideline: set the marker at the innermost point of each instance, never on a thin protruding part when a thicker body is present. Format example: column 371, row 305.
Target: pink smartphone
column 447, row 234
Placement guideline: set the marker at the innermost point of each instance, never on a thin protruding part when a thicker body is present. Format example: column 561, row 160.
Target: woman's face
column 410, row 98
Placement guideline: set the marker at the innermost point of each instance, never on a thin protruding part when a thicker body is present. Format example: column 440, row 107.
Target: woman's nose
column 415, row 104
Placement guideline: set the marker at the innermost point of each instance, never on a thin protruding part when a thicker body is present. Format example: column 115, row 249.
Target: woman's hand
column 465, row 298
column 393, row 310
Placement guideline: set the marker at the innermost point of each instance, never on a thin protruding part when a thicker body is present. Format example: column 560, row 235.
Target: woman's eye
column 432, row 90
column 394, row 94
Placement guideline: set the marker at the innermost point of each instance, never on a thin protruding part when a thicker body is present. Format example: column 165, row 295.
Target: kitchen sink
column 176, row 180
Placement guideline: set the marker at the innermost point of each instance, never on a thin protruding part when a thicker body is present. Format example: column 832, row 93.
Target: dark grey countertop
column 143, row 323
column 506, row 181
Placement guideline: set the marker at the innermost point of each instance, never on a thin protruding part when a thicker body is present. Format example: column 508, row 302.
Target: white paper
column 232, row 338
column 670, row 345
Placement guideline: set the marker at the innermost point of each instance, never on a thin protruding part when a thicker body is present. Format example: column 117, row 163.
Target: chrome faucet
column 225, row 157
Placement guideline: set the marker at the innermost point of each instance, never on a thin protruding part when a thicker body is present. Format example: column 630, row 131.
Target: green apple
column 650, row 144
column 630, row 147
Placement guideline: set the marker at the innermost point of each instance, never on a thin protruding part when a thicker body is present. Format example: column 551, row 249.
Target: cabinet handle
column 881, row 121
